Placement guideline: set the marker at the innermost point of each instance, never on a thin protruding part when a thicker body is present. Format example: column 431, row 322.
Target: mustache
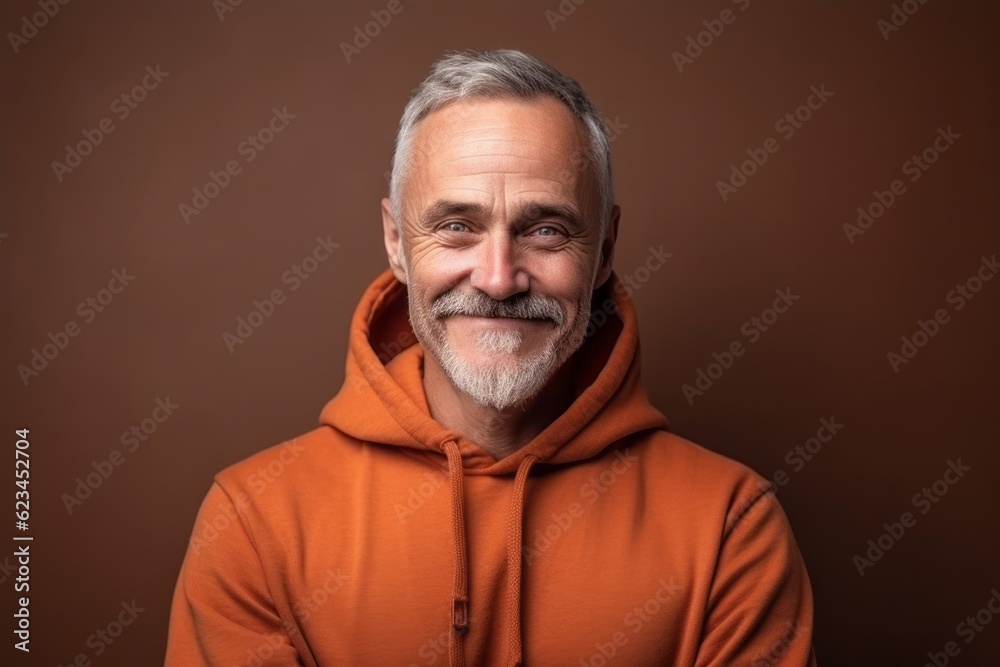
column 525, row 306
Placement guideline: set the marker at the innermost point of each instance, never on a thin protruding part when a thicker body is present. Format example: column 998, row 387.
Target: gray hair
column 500, row 73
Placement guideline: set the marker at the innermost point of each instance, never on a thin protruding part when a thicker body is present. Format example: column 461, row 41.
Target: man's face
column 499, row 243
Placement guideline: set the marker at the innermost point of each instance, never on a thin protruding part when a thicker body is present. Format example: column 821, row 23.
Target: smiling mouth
column 506, row 321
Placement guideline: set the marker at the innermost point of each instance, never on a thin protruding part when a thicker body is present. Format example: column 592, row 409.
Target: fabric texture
column 382, row 538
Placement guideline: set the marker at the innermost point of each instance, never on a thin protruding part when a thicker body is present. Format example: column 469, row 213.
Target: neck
column 498, row 432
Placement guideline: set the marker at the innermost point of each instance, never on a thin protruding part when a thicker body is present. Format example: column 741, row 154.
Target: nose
column 499, row 273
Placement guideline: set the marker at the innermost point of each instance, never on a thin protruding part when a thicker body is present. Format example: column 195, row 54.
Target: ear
column 608, row 247
column 393, row 243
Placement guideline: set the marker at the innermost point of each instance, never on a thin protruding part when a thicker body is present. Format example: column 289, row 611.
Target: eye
column 547, row 231
column 455, row 226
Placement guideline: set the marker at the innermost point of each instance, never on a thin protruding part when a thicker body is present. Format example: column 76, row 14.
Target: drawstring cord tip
column 460, row 616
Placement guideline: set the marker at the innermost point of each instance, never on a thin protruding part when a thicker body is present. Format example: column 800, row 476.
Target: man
column 491, row 485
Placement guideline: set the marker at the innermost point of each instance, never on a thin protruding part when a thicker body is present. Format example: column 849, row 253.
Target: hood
column 382, row 401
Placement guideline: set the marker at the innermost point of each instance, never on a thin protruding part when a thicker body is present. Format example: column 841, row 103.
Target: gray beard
column 503, row 384
column 507, row 383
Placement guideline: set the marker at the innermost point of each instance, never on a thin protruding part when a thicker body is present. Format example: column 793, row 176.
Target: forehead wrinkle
column 485, row 155
column 517, row 148
column 506, row 139
column 494, row 172
column 546, row 194
column 459, row 120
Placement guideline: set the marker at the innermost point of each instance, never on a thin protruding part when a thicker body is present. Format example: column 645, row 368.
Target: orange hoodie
column 381, row 538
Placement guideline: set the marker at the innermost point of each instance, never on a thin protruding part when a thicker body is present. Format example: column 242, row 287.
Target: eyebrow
column 567, row 214
column 531, row 211
column 444, row 208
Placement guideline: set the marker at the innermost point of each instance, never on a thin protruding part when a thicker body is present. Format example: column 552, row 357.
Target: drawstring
column 460, row 592
column 514, row 563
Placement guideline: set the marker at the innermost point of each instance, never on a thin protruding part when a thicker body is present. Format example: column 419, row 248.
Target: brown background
column 324, row 175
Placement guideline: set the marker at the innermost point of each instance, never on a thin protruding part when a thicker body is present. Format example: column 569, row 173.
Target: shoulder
column 683, row 459
column 689, row 471
column 286, row 470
